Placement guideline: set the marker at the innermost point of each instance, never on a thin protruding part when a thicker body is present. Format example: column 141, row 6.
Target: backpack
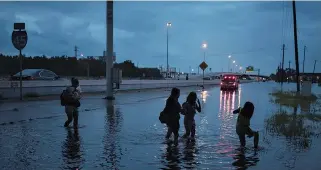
column 66, row 99
column 63, row 101
column 163, row 117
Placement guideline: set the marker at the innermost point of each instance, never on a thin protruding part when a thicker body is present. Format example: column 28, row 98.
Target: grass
column 299, row 129
column 292, row 99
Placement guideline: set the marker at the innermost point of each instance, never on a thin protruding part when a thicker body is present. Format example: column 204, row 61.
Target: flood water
column 128, row 135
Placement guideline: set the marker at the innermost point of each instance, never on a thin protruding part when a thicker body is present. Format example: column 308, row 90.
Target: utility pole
column 315, row 62
column 296, row 48
column 110, row 49
column 282, row 66
column 167, row 65
column 76, row 51
column 304, row 58
column 289, row 64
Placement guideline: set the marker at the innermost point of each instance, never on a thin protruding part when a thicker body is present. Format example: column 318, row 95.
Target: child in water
column 243, row 124
column 190, row 107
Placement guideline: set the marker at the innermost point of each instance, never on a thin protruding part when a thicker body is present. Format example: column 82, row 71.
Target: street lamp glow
column 169, row 24
column 240, row 68
column 204, row 45
column 236, row 65
column 234, row 61
column 81, row 55
column 229, row 56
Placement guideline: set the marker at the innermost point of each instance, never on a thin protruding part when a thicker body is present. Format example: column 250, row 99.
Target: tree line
column 72, row 66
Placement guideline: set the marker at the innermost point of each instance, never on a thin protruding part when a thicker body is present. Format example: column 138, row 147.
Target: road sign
column 19, row 39
column 203, row 65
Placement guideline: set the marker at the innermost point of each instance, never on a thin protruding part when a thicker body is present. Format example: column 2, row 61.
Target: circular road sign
column 19, row 39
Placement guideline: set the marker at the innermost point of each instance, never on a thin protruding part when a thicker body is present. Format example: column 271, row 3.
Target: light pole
column 204, row 46
column 167, row 27
column 229, row 62
column 315, row 62
column 233, row 63
column 235, row 69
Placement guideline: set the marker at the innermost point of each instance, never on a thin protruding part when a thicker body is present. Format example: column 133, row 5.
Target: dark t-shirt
column 172, row 109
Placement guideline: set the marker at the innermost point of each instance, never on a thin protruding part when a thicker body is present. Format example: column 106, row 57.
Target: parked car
column 36, row 74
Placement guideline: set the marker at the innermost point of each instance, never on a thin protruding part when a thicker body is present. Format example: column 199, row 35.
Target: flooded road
column 128, row 135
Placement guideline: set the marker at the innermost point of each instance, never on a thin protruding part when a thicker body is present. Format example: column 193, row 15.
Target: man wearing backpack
column 70, row 99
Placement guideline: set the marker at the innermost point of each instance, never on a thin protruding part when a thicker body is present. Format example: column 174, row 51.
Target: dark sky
column 251, row 32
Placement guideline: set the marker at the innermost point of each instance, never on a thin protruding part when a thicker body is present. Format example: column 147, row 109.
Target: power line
column 238, row 53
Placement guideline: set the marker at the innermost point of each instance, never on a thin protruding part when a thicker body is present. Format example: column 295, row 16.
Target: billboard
column 249, row 68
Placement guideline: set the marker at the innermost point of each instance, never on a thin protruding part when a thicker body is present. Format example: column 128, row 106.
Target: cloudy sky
column 251, row 32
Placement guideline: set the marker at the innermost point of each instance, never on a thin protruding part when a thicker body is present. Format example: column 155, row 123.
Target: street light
column 240, row 69
column 233, row 66
column 229, row 62
column 204, row 46
column 167, row 26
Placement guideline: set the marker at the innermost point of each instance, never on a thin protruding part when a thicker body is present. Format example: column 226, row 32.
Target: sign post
column 203, row 66
column 19, row 40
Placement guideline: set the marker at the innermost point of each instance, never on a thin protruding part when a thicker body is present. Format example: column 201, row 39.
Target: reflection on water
column 189, row 152
column 112, row 149
column 204, row 95
column 298, row 129
column 227, row 101
column 242, row 161
column 239, row 97
column 227, row 126
column 112, row 143
column 71, row 150
column 171, row 158
column 180, row 157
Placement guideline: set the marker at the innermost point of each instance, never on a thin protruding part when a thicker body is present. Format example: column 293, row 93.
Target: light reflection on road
column 228, row 103
column 204, row 95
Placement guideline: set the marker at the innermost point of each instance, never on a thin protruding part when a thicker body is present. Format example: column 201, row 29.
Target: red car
column 229, row 82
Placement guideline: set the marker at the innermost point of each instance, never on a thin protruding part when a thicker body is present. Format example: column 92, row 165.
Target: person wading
column 172, row 110
column 70, row 99
column 190, row 107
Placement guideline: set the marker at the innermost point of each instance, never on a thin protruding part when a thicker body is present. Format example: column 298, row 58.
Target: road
column 127, row 134
column 43, row 88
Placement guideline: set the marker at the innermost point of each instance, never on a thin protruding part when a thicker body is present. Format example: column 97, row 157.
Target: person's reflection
column 71, row 150
column 171, row 158
column 244, row 162
column 189, row 154
column 112, row 149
